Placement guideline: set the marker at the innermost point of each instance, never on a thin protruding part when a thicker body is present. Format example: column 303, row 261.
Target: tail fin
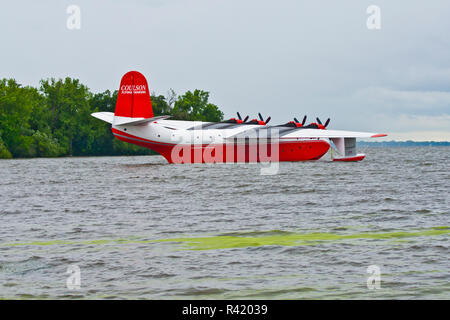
column 133, row 100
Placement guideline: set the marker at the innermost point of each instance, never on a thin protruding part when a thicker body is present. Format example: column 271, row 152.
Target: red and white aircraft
column 233, row 140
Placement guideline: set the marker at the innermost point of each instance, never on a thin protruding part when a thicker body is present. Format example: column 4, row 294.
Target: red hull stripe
column 140, row 140
column 115, row 131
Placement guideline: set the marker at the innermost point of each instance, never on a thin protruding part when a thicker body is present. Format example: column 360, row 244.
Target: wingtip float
column 232, row 140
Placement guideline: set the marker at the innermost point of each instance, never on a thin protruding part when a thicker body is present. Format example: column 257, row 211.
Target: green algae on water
column 252, row 239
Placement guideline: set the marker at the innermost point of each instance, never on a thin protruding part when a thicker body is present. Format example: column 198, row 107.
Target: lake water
column 137, row 227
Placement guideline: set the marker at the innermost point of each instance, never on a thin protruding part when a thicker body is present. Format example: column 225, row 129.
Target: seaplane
column 233, row 140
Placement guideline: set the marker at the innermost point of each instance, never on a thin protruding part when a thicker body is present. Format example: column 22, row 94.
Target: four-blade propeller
column 298, row 122
column 240, row 118
column 262, row 119
column 322, row 126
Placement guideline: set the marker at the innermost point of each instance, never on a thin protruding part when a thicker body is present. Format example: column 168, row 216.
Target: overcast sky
column 280, row 58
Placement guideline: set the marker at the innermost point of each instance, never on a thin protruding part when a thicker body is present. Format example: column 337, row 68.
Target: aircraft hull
column 296, row 150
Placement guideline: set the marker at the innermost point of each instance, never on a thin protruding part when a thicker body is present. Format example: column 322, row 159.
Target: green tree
column 46, row 145
column 194, row 106
column 4, row 152
column 159, row 105
column 102, row 142
column 16, row 106
column 70, row 121
column 56, row 119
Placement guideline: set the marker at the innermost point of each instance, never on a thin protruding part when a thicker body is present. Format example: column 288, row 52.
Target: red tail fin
column 133, row 100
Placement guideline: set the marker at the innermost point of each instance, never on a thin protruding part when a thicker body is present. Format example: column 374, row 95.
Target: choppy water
column 140, row 228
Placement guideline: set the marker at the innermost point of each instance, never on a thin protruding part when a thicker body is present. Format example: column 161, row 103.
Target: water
column 140, row 228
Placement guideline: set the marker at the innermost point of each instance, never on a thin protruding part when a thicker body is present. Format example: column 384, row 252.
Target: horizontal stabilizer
column 105, row 116
column 120, row 121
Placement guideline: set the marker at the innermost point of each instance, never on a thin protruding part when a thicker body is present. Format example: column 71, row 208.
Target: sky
column 282, row 58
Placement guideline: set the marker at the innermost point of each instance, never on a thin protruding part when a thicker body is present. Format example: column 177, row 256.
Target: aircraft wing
column 345, row 141
column 292, row 133
column 317, row 133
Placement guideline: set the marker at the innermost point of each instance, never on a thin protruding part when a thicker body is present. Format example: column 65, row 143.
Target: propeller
column 297, row 123
column 262, row 119
column 324, row 125
column 303, row 122
column 240, row 118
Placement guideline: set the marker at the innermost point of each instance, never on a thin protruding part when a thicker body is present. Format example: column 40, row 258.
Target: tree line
column 55, row 119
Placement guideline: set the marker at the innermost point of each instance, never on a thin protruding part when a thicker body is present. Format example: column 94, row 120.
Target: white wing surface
column 317, row 133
